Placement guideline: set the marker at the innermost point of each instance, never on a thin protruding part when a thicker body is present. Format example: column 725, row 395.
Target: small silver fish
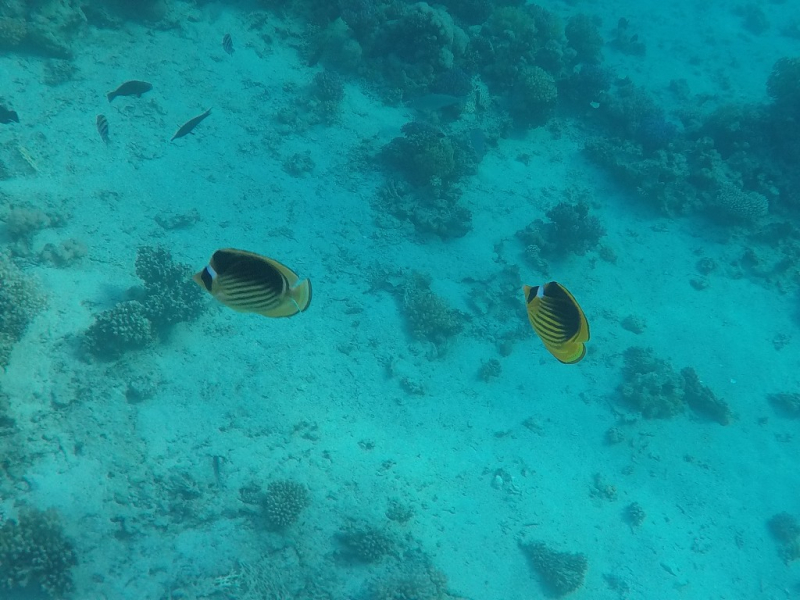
column 227, row 43
column 102, row 128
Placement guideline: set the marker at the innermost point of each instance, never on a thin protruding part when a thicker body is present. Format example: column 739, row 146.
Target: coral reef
column 419, row 43
column 364, row 544
column 428, row 316
column 283, row 503
column 733, row 205
column 36, row 555
column 783, row 84
column 570, row 230
column 422, row 155
column 533, row 96
column 785, row 529
column 634, row 514
column 433, row 210
column 489, row 370
column 559, row 572
column 583, row 36
column 399, row 512
column 585, row 85
column 125, row 327
column 514, row 38
column 20, row 301
column 702, row 400
column 170, row 295
column 651, row 385
column 415, row 579
column 787, row 404
column 63, row 254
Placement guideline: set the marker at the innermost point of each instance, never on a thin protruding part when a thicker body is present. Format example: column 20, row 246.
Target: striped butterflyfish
column 558, row 320
column 248, row 282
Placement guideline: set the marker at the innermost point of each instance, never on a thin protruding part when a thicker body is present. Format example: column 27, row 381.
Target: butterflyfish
column 558, row 320
column 248, row 282
column 102, row 127
column 227, row 43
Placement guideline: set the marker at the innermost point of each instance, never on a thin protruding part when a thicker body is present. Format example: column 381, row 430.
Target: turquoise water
column 408, row 436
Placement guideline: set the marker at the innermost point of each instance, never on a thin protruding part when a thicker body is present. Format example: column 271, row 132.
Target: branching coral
column 533, row 96
column 583, row 35
column 283, row 503
column 170, row 295
column 365, row 544
column 20, row 301
column 36, row 555
column 118, row 330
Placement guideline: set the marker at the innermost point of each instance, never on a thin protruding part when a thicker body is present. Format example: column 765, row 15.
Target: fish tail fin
column 301, row 294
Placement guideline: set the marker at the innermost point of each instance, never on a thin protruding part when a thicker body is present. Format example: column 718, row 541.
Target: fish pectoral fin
column 301, row 294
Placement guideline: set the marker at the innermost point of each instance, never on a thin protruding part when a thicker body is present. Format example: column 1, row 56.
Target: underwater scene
column 396, row 300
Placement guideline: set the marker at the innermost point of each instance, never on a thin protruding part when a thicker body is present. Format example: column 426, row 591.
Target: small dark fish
column 187, row 127
column 227, row 43
column 248, row 282
column 558, row 320
column 102, row 128
column 434, row 102
column 130, row 88
column 8, row 116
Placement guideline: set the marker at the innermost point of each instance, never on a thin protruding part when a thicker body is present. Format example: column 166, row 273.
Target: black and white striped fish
column 227, row 43
column 102, row 128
